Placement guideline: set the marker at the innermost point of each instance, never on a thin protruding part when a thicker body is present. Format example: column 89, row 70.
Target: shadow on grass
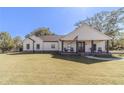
column 73, row 58
column 27, row 53
column 78, row 59
column 19, row 53
column 107, row 56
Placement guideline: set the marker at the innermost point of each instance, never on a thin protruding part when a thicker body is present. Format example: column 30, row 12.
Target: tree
column 121, row 41
column 41, row 32
column 6, row 42
column 98, row 21
column 107, row 22
column 17, row 43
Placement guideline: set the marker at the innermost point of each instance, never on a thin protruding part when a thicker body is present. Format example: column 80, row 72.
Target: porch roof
column 85, row 32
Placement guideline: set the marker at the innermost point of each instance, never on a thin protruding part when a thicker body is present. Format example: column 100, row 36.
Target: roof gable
column 32, row 38
column 85, row 32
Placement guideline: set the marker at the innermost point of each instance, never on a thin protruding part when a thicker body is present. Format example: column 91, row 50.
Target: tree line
column 8, row 43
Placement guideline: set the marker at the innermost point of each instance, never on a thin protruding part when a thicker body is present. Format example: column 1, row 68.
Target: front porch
column 87, row 47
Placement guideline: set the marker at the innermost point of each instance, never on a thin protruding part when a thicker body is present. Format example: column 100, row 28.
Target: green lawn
column 55, row 69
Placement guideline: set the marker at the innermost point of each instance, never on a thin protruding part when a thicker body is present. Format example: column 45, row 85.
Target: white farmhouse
column 83, row 39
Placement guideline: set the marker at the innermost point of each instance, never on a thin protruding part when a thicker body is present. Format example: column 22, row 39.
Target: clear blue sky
column 21, row 21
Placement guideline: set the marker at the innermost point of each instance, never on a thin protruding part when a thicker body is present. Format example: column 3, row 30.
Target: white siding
column 29, row 41
column 88, row 46
column 41, row 46
column 25, row 42
column 47, row 46
column 60, row 45
column 101, row 44
column 98, row 44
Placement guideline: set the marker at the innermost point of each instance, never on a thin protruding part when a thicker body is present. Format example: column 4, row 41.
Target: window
column 28, row 46
column 38, row 46
column 52, row 45
column 99, row 49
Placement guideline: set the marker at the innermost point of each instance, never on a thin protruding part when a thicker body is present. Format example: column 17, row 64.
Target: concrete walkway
column 108, row 59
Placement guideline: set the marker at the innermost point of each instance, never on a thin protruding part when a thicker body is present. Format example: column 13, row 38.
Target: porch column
column 92, row 46
column 76, row 46
column 84, row 46
column 62, row 46
column 107, row 46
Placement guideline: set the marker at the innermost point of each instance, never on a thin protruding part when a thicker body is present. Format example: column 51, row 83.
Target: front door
column 81, row 46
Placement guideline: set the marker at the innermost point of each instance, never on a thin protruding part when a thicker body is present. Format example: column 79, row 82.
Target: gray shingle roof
column 51, row 38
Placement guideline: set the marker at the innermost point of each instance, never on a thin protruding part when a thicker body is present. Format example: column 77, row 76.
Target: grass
column 119, row 55
column 111, row 56
column 56, row 69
